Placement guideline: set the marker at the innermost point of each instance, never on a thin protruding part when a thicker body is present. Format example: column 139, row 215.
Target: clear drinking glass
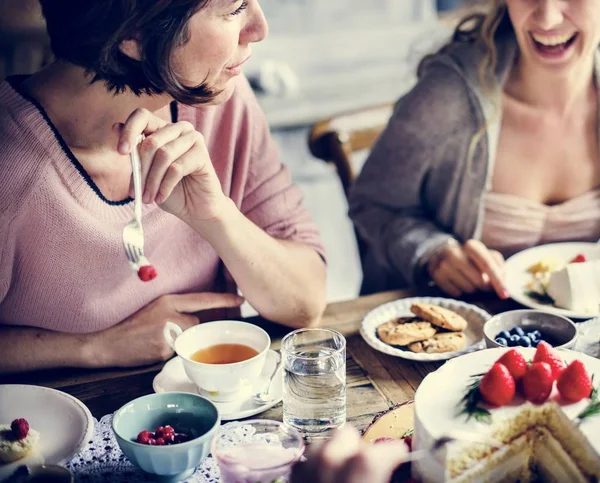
column 256, row 451
column 314, row 384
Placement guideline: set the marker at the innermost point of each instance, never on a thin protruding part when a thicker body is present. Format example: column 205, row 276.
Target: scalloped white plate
column 475, row 317
column 64, row 423
column 517, row 276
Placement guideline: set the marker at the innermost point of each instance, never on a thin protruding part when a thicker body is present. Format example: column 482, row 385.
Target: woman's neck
column 84, row 113
column 563, row 95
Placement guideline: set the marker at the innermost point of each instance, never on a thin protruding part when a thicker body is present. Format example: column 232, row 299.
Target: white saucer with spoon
column 172, row 377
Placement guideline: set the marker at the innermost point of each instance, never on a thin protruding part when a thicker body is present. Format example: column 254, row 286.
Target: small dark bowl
column 557, row 330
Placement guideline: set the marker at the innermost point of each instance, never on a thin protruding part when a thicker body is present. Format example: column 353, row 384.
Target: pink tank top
column 512, row 223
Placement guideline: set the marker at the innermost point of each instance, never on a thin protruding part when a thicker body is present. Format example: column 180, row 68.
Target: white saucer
column 173, row 378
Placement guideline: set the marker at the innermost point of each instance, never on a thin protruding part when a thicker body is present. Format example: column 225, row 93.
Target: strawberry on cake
column 17, row 440
column 538, row 405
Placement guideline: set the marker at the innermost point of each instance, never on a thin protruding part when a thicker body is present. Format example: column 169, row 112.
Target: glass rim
column 307, row 358
column 267, row 422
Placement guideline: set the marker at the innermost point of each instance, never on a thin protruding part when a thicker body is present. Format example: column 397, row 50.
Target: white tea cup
column 219, row 382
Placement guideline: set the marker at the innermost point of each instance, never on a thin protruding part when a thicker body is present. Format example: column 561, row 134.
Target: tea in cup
column 222, row 357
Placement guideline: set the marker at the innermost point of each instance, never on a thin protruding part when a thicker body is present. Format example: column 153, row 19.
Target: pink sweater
column 62, row 262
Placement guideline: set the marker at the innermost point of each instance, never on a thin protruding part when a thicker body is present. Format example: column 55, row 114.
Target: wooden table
column 375, row 381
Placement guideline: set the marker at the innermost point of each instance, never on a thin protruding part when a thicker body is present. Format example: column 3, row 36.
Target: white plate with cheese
column 575, row 290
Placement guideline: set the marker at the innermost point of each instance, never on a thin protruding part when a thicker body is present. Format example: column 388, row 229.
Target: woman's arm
column 392, row 203
column 283, row 280
column 138, row 340
column 26, row 349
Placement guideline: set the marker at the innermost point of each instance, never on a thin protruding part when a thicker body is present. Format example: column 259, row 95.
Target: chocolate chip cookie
column 440, row 342
column 439, row 316
column 405, row 330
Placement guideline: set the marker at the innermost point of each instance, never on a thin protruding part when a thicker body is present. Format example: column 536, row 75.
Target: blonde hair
column 481, row 29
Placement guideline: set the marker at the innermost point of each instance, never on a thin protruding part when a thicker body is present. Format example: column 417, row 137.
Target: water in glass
column 314, row 390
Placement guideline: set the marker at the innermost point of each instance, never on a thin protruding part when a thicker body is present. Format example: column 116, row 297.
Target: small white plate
column 64, row 423
column 517, row 276
column 475, row 317
column 173, row 378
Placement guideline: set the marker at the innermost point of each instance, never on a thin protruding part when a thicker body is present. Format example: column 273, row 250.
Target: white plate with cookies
column 425, row 328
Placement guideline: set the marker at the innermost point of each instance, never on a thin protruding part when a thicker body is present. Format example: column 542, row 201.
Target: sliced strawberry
column 579, row 258
column 147, row 273
column 538, row 382
column 384, row 439
column 545, row 353
column 497, row 386
column 516, row 364
column 574, row 383
column 408, row 442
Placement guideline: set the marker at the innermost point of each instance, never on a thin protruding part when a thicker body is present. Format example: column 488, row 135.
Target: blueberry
column 504, row 334
column 531, row 335
column 513, row 331
column 519, row 331
column 501, row 341
column 535, row 343
column 525, row 341
column 514, row 340
column 537, row 333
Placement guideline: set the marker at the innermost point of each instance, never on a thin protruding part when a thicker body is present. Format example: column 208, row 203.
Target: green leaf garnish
column 471, row 401
column 541, row 298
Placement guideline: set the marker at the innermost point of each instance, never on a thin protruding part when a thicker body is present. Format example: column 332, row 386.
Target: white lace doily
column 102, row 460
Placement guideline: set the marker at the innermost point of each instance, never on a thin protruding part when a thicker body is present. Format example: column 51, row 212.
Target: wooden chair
column 335, row 140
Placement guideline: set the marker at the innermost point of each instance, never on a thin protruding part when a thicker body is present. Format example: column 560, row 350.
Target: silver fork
column 133, row 233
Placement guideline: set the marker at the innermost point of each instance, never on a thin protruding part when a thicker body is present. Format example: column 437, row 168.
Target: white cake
column 540, row 436
column 576, row 286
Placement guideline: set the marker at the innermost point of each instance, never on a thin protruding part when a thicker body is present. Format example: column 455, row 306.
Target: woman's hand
column 467, row 268
column 177, row 172
column 139, row 339
column 346, row 459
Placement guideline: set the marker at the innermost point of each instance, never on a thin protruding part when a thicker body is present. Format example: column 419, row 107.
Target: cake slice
column 540, row 443
column 576, row 287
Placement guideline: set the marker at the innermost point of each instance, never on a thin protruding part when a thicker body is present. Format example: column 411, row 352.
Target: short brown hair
column 88, row 33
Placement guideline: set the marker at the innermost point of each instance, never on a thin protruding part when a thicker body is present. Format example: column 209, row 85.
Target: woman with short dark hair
column 219, row 210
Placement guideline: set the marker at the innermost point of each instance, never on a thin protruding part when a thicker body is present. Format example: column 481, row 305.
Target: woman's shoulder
column 22, row 158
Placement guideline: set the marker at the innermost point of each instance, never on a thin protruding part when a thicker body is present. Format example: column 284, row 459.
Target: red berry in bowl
column 147, row 273
column 144, row 436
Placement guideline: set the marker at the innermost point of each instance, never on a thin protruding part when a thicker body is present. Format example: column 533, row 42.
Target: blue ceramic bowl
column 186, row 412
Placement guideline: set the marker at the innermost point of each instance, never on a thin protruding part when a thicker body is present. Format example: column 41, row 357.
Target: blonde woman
column 494, row 150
